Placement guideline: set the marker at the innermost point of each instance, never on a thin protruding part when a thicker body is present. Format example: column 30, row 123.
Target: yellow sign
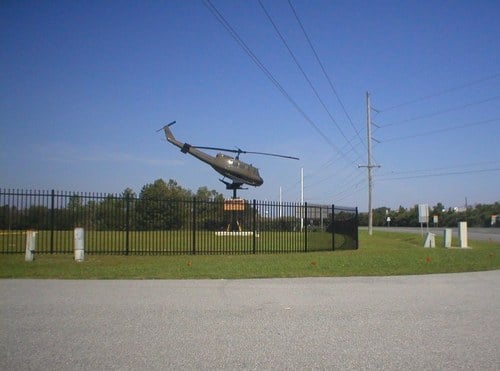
column 234, row 204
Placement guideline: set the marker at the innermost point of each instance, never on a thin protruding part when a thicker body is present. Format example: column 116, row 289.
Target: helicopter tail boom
column 185, row 147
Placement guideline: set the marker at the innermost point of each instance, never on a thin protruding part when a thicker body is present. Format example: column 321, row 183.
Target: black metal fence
column 124, row 224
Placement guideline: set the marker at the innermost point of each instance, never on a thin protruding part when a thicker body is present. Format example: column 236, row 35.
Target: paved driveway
column 434, row 322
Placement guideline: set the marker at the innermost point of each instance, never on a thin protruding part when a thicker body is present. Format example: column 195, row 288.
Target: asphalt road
column 432, row 322
column 474, row 234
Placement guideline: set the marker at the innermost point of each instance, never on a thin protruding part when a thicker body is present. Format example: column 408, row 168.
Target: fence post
column 357, row 228
column 254, row 224
column 333, row 227
column 305, row 227
column 194, row 226
column 52, row 222
column 127, row 222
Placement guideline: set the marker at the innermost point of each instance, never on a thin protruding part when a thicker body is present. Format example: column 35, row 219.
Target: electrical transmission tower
column 369, row 165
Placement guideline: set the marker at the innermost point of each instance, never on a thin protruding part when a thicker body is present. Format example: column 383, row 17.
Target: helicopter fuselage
column 237, row 170
column 233, row 168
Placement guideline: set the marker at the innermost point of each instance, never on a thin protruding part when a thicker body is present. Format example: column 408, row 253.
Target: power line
column 304, row 74
column 455, row 88
column 242, row 44
column 483, row 122
column 444, row 174
column 459, row 166
column 328, row 163
column 345, row 179
column 268, row 74
column 324, row 70
column 432, row 114
column 339, row 196
column 314, row 180
column 343, row 183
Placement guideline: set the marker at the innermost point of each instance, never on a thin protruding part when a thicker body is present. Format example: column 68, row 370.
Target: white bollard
column 462, row 233
column 430, row 240
column 447, row 237
column 79, row 245
column 30, row 246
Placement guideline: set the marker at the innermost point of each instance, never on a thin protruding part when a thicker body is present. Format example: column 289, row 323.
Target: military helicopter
column 237, row 171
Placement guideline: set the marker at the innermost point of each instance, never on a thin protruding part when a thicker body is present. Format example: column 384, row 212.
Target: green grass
column 169, row 242
column 382, row 254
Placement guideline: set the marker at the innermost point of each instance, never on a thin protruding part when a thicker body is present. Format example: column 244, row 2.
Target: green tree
column 204, row 194
column 475, row 216
column 75, row 212
column 110, row 213
column 163, row 206
column 6, row 217
column 130, row 202
column 209, row 207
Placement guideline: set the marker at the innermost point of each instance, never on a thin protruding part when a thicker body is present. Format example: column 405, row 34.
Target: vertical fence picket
column 127, row 223
column 355, row 228
column 305, row 226
column 254, row 229
column 333, row 227
column 52, row 225
column 194, row 226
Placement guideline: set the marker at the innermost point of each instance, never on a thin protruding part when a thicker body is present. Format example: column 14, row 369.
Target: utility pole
column 369, row 165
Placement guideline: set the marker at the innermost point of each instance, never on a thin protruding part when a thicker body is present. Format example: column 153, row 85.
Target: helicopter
column 236, row 170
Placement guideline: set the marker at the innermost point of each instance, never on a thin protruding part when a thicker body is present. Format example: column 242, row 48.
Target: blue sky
column 85, row 85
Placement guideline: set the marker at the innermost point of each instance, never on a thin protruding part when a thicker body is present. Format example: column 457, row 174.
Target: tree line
column 167, row 205
column 161, row 205
column 479, row 215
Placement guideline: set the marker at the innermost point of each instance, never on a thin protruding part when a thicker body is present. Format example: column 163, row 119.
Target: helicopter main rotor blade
column 239, row 151
column 270, row 154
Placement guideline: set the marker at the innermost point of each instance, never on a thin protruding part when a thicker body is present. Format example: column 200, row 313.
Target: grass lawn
column 384, row 253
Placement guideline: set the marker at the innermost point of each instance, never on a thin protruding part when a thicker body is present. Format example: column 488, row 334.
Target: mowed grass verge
column 382, row 254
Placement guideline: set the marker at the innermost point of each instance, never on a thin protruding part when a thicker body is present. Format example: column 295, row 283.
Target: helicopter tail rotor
column 168, row 133
column 168, row 125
